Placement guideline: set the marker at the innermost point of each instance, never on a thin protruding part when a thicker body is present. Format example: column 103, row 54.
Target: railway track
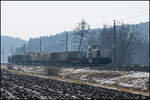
column 15, row 85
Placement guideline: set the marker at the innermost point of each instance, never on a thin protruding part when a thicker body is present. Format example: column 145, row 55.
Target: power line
column 127, row 18
column 137, row 16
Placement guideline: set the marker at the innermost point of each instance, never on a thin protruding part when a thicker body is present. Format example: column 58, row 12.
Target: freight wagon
column 94, row 55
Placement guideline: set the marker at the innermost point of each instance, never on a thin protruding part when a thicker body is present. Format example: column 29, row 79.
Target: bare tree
column 128, row 41
column 106, row 37
column 81, row 31
column 92, row 38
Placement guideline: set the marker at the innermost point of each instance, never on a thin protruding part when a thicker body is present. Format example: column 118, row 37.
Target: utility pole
column 3, row 57
column 40, row 44
column 24, row 48
column 12, row 51
column 66, row 42
column 66, row 45
column 12, row 55
column 114, row 42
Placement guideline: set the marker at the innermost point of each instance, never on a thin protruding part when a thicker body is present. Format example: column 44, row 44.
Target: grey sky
column 27, row 19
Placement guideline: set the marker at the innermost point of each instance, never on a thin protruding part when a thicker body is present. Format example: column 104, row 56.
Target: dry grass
column 104, row 75
column 87, row 83
column 52, row 71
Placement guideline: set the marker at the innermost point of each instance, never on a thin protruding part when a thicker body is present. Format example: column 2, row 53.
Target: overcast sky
column 27, row 19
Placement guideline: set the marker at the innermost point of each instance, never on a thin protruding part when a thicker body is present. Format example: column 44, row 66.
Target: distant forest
column 132, row 42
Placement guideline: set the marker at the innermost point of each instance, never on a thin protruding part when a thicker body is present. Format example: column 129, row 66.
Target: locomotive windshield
column 98, row 53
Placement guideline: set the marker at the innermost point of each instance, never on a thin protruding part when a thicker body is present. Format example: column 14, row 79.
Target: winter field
column 13, row 80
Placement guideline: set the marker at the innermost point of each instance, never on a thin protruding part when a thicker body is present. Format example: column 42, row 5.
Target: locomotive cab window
column 98, row 53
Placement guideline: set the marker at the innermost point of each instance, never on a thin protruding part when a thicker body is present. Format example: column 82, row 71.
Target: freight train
column 95, row 55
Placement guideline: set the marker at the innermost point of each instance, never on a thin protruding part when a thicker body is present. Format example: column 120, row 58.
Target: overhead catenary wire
column 137, row 16
column 122, row 20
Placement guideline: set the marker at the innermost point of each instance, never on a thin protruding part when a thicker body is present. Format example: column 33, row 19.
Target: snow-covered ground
column 74, row 71
column 10, row 94
column 138, row 74
column 138, row 80
column 131, row 79
column 31, row 69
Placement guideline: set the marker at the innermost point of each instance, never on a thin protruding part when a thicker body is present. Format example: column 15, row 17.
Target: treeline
column 132, row 41
column 9, row 44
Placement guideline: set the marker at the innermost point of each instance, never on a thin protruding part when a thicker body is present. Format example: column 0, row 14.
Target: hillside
column 7, row 43
column 56, row 43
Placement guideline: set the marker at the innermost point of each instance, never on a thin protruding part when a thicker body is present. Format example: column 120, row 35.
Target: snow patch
column 138, row 74
column 11, row 96
column 103, row 81
column 125, row 84
column 83, row 77
column 74, row 71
